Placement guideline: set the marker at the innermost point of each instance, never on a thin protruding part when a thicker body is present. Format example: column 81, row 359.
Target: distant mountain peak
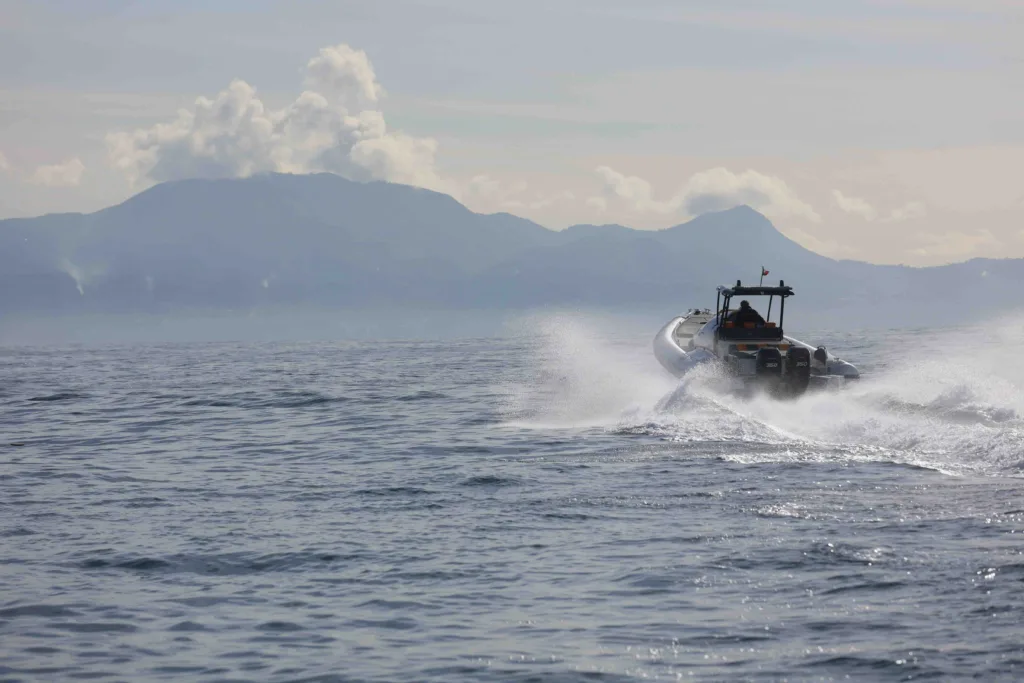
column 738, row 221
column 742, row 210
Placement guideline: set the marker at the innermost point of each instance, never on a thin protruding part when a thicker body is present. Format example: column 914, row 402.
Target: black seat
column 743, row 333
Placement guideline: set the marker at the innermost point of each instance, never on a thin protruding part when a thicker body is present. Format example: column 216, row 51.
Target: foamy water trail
column 952, row 402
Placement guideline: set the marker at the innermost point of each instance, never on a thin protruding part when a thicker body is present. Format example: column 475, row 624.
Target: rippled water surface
column 541, row 507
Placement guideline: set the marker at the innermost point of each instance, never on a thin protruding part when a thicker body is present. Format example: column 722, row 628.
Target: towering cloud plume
column 346, row 74
column 711, row 190
column 335, row 125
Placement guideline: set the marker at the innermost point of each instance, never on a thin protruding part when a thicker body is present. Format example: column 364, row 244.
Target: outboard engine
column 768, row 367
column 797, row 370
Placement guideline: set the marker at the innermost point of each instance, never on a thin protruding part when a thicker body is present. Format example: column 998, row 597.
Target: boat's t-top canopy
column 738, row 289
column 770, row 329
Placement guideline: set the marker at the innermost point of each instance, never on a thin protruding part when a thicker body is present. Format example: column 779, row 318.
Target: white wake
column 952, row 401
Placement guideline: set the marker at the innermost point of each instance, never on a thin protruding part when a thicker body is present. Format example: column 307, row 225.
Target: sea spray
column 586, row 372
column 951, row 401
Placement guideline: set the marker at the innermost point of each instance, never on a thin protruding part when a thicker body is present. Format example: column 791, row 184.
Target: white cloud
column 488, row 194
column 235, row 134
column 908, row 211
column 854, row 205
column 712, row 190
column 719, row 189
column 599, row 204
column 345, row 74
column 636, row 191
column 67, row 174
column 399, row 158
column 5, row 165
column 860, row 207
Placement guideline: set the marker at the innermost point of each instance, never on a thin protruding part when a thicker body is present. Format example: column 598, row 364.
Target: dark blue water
column 544, row 507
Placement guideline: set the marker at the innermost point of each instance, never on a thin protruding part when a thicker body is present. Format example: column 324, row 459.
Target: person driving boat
column 746, row 314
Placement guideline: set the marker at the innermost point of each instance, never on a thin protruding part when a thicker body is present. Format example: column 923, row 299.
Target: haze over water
column 544, row 505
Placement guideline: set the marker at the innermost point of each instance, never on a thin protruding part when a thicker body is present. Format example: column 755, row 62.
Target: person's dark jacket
column 746, row 315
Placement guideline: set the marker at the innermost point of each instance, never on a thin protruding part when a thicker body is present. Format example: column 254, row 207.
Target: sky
column 887, row 131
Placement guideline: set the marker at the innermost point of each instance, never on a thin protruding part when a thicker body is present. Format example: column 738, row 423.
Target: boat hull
column 672, row 356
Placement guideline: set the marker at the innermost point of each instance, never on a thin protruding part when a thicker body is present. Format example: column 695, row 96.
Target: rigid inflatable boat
column 748, row 348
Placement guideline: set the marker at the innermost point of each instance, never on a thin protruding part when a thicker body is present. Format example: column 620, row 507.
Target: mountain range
column 290, row 240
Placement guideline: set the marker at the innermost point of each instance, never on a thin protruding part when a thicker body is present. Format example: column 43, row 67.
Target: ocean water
column 546, row 505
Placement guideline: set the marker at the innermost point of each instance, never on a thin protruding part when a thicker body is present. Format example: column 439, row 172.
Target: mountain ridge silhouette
column 279, row 239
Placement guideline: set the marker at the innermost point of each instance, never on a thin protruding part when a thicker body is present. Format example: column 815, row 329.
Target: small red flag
column 763, row 271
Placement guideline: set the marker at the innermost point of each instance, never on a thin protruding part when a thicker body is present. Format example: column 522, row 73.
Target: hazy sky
column 884, row 130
